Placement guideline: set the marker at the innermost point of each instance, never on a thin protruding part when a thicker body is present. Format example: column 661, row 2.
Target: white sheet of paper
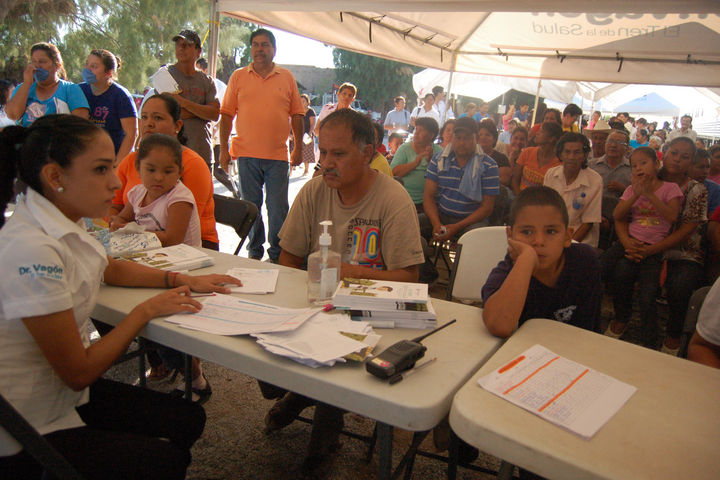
column 256, row 281
column 163, row 82
column 228, row 315
column 559, row 390
column 319, row 339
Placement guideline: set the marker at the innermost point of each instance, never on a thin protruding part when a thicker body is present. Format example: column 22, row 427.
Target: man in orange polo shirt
column 261, row 97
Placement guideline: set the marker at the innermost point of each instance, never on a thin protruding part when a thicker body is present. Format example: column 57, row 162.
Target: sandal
column 609, row 332
column 198, row 396
column 159, row 373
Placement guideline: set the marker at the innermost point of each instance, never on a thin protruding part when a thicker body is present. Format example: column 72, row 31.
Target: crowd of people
column 617, row 206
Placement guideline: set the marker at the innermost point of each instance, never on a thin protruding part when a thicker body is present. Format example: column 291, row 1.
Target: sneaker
column 285, row 411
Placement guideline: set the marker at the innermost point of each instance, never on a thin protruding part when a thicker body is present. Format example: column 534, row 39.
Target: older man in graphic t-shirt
column 375, row 229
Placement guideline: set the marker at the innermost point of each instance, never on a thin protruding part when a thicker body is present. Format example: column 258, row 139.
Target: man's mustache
column 331, row 171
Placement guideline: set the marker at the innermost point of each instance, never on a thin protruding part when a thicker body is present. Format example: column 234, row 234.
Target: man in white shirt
column 399, row 118
column 685, row 129
column 443, row 108
column 425, row 110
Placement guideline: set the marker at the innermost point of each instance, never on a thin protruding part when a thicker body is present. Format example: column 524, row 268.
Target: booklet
column 176, row 258
column 364, row 294
column 559, row 390
column 255, row 280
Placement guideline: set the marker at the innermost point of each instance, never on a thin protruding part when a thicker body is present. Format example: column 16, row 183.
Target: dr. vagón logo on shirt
column 38, row 270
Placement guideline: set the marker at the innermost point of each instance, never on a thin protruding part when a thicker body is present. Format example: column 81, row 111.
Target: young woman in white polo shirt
column 52, row 271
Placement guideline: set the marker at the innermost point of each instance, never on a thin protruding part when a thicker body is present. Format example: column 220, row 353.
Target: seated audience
column 598, row 135
column 614, row 168
column 580, row 187
column 394, row 142
column 461, row 184
column 699, row 171
column 643, row 219
column 446, row 133
column 642, row 137
column 714, row 174
column 412, row 159
column 379, row 162
column 544, row 274
column 684, row 249
column 569, row 118
column 534, row 162
column 487, row 137
column 470, row 110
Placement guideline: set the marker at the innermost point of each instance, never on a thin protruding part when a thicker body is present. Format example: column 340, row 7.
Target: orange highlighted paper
column 559, row 390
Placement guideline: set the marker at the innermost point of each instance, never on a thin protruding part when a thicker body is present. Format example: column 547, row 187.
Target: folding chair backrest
column 691, row 317
column 35, row 444
column 478, row 252
column 239, row 214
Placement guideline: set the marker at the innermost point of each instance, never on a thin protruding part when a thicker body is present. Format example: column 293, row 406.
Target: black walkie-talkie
column 400, row 357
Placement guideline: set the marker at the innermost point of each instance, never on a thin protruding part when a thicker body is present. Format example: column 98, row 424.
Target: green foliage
column 139, row 31
column 378, row 80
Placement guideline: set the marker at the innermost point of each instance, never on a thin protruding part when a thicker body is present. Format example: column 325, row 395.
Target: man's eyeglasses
column 619, row 143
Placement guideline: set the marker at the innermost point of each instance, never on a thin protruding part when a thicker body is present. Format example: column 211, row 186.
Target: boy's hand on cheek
column 519, row 249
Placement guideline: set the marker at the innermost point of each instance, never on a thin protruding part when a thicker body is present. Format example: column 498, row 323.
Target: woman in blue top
column 44, row 90
column 111, row 105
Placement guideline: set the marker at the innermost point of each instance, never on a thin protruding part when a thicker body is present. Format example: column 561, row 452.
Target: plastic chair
column 694, row 305
column 55, row 465
column 478, row 252
column 238, row 214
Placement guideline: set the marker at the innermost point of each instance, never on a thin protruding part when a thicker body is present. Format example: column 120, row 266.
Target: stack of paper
column 386, row 304
column 319, row 341
column 255, row 280
column 559, row 390
column 131, row 238
column 228, row 315
column 176, row 258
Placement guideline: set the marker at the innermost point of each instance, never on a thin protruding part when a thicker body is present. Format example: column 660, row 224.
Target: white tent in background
column 677, row 44
column 650, row 105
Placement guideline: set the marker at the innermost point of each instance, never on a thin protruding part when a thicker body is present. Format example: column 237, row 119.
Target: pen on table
column 399, row 376
column 202, row 295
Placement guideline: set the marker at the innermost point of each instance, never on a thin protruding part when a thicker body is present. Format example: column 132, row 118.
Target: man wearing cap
column 598, row 135
column 197, row 96
column 461, row 184
column 263, row 98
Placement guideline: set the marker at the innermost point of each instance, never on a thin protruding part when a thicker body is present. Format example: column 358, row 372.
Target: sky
column 296, row 50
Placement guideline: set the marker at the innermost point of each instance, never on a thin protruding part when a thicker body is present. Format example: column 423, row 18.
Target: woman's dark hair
column 173, row 108
column 379, row 132
column 489, row 126
column 159, row 140
column 650, row 152
column 687, row 140
column 538, row 197
column 24, row 151
column 573, row 137
column 110, row 61
column 428, row 124
column 54, row 54
column 554, row 111
column 5, row 86
column 553, row 129
column 520, row 129
column 442, row 130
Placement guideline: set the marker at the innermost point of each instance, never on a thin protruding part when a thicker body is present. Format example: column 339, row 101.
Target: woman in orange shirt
column 161, row 114
column 534, row 162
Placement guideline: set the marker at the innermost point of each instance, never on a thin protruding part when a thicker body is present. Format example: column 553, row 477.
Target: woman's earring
column 60, row 189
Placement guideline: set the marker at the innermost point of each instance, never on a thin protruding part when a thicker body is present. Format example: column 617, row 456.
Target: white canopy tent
column 694, row 100
column 677, row 44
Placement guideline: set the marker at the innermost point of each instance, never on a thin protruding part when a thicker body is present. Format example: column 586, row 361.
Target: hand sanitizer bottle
column 323, row 269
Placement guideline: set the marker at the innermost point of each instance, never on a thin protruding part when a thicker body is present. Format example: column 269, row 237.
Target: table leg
column 506, row 471
column 453, row 456
column 384, row 440
column 188, row 376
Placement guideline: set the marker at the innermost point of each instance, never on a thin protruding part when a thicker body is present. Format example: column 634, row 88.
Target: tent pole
column 537, row 99
column 214, row 38
column 443, row 119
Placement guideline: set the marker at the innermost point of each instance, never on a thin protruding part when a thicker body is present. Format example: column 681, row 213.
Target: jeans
column 124, row 437
column 253, row 173
column 683, row 278
column 647, row 274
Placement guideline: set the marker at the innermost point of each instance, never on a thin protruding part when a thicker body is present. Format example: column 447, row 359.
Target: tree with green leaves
column 139, row 31
column 378, row 80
